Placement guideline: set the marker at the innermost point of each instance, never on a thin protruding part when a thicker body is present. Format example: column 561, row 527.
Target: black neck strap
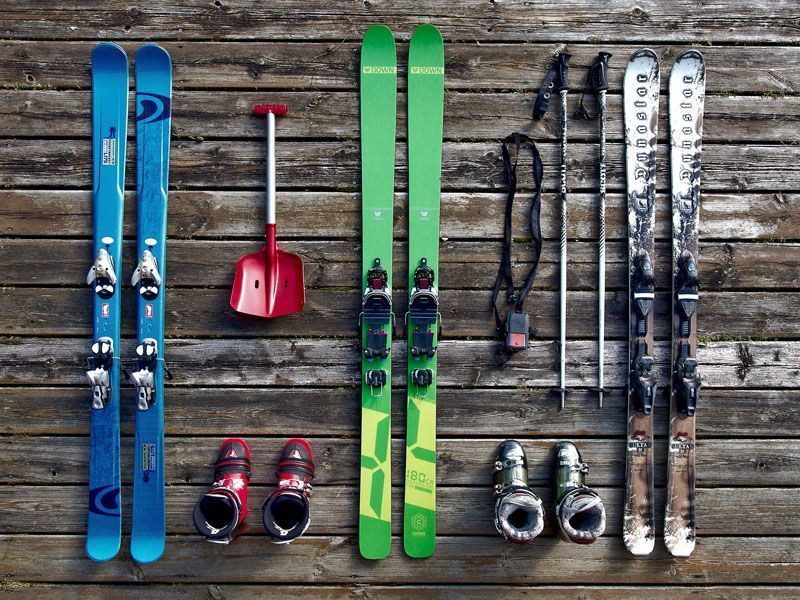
column 504, row 273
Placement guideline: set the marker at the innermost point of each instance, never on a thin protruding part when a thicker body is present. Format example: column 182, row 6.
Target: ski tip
column 689, row 54
column 109, row 54
column 644, row 53
column 378, row 31
column 427, row 30
column 153, row 54
column 264, row 109
column 681, row 549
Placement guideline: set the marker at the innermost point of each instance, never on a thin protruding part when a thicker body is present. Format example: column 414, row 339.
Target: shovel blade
column 265, row 288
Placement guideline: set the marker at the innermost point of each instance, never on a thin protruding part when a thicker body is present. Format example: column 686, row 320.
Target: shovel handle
column 270, row 168
column 269, row 111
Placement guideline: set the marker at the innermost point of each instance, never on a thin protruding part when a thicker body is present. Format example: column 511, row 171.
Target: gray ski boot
column 518, row 512
column 580, row 513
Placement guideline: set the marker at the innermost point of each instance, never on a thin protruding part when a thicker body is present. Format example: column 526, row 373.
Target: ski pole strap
column 556, row 79
column 517, row 327
column 596, row 82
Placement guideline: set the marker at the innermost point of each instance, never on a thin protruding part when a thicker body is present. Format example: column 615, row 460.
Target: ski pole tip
column 264, row 109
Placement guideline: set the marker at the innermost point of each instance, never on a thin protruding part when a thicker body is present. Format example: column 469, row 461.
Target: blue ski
column 109, row 135
column 153, row 97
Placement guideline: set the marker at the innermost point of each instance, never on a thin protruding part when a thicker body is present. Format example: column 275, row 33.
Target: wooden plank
column 183, row 591
column 679, row 21
column 717, row 560
column 461, row 462
column 230, row 215
column 334, row 114
column 728, row 266
column 200, row 313
column 459, row 510
column 336, row 165
column 333, row 363
column 727, row 413
column 325, row 66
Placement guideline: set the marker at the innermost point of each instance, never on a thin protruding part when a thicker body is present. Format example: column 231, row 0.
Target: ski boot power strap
column 286, row 513
column 220, row 514
column 580, row 513
column 516, row 329
column 518, row 512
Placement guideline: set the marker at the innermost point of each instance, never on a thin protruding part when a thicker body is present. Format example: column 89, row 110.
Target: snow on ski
column 109, row 137
column 153, row 98
column 378, row 93
column 686, row 96
column 425, row 113
column 641, row 93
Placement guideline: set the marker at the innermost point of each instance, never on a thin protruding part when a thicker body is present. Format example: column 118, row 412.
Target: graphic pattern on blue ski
column 153, row 98
column 109, row 135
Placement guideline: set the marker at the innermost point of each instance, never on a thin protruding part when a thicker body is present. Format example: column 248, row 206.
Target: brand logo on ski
column 152, row 107
column 110, row 148
column 371, row 70
column 378, row 214
column 148, row 311
column 427, row 70
column 104, row 501
column 105, row 310
column 148, row 460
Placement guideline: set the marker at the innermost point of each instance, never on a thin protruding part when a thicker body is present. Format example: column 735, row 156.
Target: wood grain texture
column 466, row 166
column 468, row 559
column 674, row 21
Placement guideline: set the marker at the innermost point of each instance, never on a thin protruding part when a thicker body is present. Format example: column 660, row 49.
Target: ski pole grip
column 601, row 81
column 563, row 68
column 269, row 111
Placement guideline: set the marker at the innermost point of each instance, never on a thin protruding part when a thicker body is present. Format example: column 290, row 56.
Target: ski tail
column 425, row 111
column 153, row 99
column 109, row 138
column 378, row 97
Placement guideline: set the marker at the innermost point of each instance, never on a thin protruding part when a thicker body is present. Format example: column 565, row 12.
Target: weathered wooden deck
column 297, row 376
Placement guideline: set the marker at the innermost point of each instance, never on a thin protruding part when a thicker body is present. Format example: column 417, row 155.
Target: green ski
column 425, row 108
column 378, row 119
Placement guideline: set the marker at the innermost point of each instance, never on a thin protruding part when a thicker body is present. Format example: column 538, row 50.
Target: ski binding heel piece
column 423, row 310
column 99, row 371
column 147, row 277
column 645, row 379
column 144, row 376
column 688, row 381
column 422, row 377
column 376, row 312
column 102, row 275
column 375, row 378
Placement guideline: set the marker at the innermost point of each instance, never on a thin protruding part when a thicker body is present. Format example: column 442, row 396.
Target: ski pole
column 601, row 85
column 563, row 89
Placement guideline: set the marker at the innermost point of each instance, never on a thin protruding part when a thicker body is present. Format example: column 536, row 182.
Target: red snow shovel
column 269, row 283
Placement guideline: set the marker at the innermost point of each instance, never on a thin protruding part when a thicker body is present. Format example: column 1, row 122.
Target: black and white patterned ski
column 641, row 91
column 687, row 84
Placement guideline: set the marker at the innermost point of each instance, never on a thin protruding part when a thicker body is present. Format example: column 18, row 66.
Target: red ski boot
column 286, row 512
column 220, row 514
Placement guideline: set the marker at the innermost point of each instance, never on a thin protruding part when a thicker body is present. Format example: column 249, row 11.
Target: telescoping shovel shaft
column 269, row 283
